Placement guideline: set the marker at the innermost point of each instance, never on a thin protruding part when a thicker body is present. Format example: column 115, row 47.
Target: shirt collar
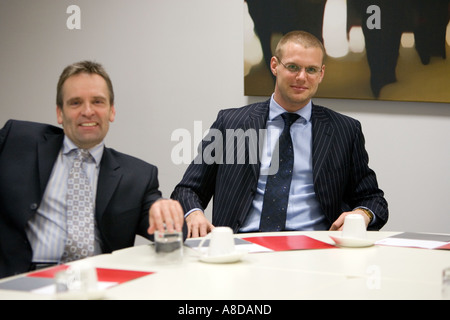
column 275, row 110
column 96, row 152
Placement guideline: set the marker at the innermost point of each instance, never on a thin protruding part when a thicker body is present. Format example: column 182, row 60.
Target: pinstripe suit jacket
column 342, row 177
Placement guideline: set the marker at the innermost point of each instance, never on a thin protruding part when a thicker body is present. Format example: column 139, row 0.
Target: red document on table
column 285, row 243
column 444, row 247
column 103, row 274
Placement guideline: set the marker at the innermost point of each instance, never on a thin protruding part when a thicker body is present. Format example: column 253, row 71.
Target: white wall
column 173, row 62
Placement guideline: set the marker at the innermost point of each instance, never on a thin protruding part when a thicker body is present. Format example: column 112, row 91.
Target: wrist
column 366, row 212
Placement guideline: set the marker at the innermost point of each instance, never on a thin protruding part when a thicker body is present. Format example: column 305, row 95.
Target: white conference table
column 375, row 272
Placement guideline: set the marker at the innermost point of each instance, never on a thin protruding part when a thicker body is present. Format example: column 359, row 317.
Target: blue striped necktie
column 276, row 195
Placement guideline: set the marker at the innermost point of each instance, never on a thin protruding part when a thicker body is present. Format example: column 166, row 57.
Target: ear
column 273, row 65
column 112, row 114
column 322, row 74
column 59, row 116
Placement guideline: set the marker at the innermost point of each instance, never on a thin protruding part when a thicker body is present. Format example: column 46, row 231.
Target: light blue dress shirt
column 304, row 212
column 46, row 230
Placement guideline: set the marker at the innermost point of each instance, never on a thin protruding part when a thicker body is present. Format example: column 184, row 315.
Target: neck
column 290, row 106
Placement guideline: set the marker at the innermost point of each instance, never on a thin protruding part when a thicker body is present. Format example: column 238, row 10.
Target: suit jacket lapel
column 109, row 175
column 47, row 152
column 257, row 120
column 322, row 134
column 108, row 180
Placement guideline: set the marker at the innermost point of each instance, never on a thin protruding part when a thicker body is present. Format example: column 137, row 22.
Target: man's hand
column 198, row 225
column 339, row 223
column 166, row 214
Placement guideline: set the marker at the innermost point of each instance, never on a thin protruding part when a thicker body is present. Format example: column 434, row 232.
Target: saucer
column 224, row 258
column 352, row 242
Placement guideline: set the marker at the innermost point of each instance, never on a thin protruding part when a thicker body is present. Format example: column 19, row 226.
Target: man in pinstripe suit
column 331, row 177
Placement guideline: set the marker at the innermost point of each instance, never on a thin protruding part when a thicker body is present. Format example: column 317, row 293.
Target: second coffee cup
column 354, row 227
column 221, row 241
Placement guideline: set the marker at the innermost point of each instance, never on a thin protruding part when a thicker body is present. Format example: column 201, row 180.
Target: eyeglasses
column 293, row 68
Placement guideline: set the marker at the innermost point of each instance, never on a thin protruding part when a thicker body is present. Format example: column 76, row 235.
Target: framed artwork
column 376, row 49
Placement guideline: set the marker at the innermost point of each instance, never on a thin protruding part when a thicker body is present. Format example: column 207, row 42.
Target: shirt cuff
column 374, row 217
column 192, row 210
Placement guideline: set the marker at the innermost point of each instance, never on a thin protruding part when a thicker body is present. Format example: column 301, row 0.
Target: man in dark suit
column 330, row 177
column 35, row 160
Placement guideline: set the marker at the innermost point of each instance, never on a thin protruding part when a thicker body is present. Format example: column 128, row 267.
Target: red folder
column 285, row 243
column 444, row 247
column 103, row 274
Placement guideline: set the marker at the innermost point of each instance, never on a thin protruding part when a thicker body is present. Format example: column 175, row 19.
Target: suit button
column 33, row 206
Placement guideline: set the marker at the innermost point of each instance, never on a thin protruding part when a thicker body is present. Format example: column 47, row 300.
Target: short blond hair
column 304, row 38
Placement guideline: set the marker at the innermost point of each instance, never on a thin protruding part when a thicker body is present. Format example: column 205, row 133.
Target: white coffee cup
column 221, row 241
column 354, row 227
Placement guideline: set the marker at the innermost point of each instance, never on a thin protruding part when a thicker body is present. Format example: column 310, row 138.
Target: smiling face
column 86, row 111
column 293, row 90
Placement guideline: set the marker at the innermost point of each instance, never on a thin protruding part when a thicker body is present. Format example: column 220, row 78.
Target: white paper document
column 416, row 240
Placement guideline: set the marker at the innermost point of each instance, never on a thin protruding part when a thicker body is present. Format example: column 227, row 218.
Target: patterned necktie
column 276, row 195
column 80, row 212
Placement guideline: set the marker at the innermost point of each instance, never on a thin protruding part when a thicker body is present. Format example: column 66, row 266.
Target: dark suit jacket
column 342, row 178
column 127, row 187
